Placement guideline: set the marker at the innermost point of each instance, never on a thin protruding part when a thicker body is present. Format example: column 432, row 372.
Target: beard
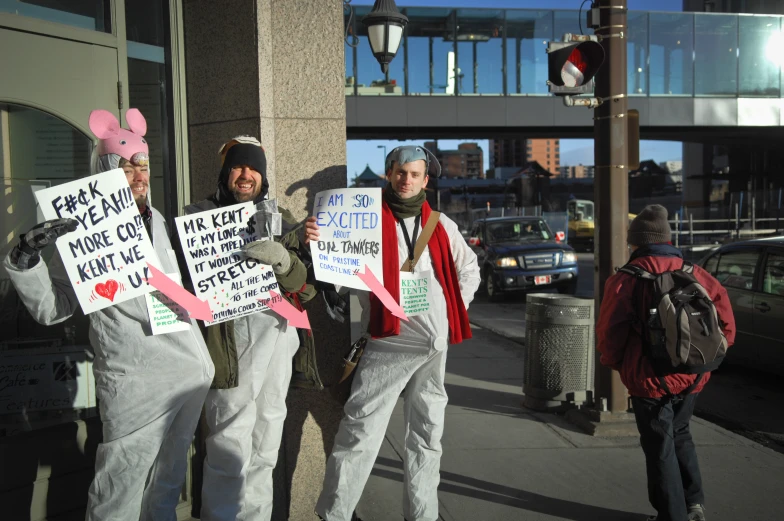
column 243, row 197
column 141, row 199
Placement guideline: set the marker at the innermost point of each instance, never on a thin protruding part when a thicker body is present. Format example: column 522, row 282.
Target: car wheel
column 492, row 291
column 568, row 289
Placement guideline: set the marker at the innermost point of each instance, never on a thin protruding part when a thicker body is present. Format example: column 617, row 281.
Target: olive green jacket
column 220, row 337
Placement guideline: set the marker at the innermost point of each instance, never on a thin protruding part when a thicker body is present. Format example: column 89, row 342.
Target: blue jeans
column 674, row 479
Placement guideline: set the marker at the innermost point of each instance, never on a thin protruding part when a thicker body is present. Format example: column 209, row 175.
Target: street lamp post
column 385, row 158
column 385, row 26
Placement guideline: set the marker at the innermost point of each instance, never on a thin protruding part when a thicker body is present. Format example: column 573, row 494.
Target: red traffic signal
column 572, row 66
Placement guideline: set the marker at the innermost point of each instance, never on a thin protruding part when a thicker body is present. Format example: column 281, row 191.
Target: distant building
column 576, row 172
column 517, row 152
column 465, row 162
column 369, row 179
column 674, row 167
column 652, row 179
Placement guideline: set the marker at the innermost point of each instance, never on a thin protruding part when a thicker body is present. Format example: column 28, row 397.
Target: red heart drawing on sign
column 107, row 289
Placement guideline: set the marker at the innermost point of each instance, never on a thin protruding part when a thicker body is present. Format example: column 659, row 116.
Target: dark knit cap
column 241, row 153
column 650, row 227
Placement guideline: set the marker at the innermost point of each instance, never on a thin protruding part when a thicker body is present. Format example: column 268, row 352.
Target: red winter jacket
column 620, row 344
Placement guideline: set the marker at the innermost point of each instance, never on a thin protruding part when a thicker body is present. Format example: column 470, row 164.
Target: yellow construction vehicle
column 580, row 234
column 581, row 224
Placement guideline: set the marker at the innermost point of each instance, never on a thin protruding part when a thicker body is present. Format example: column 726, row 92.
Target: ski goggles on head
column 409, row 153
column 140, row 159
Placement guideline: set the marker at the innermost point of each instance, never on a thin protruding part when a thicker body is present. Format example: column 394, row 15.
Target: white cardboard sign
column 349, row 221
column 167, row 316
column 106, row 256
column 221, row 273
column 415, row 296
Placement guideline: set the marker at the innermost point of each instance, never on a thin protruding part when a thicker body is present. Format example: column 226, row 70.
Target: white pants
column 383, row 372
column 157, row 449
column 246, row 426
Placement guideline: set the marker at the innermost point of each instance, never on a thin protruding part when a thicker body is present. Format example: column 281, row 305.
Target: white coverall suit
column 246, row 422
column 150, row 390
column 415, row 360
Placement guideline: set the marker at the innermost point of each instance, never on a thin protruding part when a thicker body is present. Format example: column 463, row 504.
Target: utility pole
column 611, row 184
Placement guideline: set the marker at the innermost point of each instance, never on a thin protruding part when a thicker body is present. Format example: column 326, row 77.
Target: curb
column 478, row 323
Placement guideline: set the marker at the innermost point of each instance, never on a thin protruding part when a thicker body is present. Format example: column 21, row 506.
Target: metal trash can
column 558, row 360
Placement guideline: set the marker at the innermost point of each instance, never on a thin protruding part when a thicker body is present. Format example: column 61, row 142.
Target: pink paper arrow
column 198, row 309
column 381, row 292
column 282, row 307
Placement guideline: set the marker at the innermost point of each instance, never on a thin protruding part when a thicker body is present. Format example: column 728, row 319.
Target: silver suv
column 753, row 274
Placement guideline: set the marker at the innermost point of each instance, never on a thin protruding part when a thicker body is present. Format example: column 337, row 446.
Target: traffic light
column 573, row 64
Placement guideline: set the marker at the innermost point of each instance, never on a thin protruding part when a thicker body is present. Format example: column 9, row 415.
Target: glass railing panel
column 671, row 54
column 761, row 53
column 480, row 34
column 527, row 34
column 716, row 55
column 430, row 51
column 637, row 53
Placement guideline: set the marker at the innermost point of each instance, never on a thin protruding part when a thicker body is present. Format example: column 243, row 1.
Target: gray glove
column 26, row 254
column 271, row 253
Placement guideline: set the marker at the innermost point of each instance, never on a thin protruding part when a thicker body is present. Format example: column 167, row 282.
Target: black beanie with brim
column 242, row 154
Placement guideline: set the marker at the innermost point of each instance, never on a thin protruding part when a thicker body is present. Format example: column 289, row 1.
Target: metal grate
column 560, row 361
column 535, row 261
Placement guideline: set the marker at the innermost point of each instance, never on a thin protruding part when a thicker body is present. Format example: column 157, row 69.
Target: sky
column 361, row 153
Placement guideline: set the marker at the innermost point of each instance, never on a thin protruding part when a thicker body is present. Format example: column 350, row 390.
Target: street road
column 742, row 400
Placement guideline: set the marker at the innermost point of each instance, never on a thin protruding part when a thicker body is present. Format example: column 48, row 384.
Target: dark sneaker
column 696, row 513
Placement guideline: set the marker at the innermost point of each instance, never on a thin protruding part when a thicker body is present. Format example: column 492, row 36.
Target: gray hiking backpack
column 680, row 327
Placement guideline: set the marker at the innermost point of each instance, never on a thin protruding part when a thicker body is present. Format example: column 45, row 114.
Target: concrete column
column 694, row 188
column 275, row 69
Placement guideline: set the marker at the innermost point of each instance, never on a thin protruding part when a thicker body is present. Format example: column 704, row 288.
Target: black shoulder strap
column 637, row 271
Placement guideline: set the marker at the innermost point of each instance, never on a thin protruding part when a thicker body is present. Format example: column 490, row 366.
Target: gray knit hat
column 650, row 227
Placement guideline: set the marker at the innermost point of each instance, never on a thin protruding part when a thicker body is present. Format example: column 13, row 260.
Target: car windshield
column 518, row 231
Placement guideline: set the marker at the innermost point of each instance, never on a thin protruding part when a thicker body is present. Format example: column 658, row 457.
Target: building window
column 93, row 15
column 44, row 151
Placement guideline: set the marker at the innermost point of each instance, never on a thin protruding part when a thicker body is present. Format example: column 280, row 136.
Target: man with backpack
column 664, row 324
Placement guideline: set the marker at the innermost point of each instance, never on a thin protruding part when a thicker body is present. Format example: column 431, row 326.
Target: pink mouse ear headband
column 128, row 144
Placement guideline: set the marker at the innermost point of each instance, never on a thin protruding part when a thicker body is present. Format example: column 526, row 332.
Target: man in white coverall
column 401, row 355
column 150, row 389
column 246, row 406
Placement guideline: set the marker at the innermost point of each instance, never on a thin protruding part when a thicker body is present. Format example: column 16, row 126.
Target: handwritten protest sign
column 415, row 293
column 349, row 223
column 106, row 256
column 233, row 284
column 166, row 315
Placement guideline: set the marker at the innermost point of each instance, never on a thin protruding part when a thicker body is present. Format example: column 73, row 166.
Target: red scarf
column 382, row 322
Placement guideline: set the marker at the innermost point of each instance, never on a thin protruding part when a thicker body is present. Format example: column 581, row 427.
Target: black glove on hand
column 337, row 305
column 27, row 253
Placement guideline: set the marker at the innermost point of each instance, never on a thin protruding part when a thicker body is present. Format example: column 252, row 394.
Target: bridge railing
column 501, row 52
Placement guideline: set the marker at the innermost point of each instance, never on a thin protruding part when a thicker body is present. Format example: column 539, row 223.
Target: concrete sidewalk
column 504, row 462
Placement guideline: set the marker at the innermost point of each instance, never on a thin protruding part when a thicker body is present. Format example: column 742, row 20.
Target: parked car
column 521, row 253
column 753, row 274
